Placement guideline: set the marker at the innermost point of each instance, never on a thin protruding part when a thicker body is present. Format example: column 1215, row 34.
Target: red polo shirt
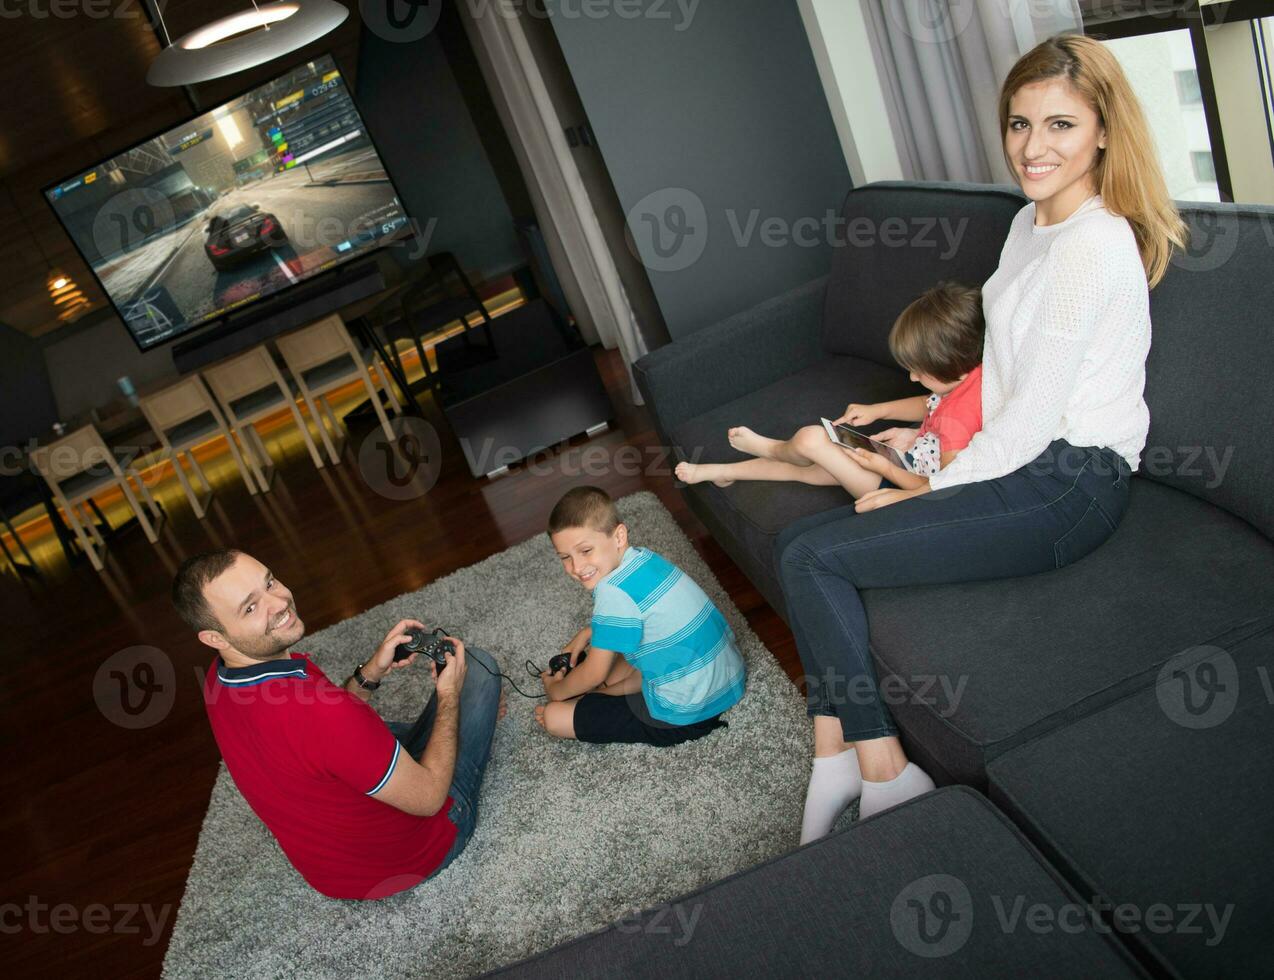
column 309, row 757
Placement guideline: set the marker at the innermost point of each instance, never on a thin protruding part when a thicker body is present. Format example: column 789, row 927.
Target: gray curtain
column 942, row 63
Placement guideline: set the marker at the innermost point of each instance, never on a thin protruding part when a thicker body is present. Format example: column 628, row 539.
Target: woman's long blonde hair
column 1127, row 172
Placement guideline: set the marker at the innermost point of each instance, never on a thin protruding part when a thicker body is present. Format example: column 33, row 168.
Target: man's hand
column 886, row 496
column 450, row 679
column 856, row 414
column 382, row 661
column 901, row 438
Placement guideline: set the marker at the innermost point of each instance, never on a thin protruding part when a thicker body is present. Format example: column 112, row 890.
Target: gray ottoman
column 943, row 886
column 1161, row 806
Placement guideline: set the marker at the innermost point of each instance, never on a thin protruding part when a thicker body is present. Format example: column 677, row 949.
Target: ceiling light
column 243, row 40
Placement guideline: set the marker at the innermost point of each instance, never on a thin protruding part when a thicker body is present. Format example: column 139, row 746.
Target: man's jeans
column 1045, row 515
column 479, row 703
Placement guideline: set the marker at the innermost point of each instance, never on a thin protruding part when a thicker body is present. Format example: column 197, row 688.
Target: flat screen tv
column 237, row 204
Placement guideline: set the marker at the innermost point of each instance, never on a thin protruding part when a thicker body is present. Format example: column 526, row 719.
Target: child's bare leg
column 557, row 718
column 784, row 450
column 812, row 443
column 723, row 474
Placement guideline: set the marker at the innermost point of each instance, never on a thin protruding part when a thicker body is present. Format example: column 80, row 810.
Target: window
column 1188, row 91
column 1155, row 65
column 1201, row 69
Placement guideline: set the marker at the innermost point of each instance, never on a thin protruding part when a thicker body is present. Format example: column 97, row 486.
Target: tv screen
column 266, row 191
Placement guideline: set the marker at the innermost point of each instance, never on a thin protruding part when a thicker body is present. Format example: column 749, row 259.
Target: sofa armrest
column 725, row 361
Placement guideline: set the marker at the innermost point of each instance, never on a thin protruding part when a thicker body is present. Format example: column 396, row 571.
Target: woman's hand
column 901, row 438
column 856, row 414
column 884, row 497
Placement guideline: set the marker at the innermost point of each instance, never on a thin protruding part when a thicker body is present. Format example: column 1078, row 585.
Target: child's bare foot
column 699, row 472
column 539, row 716
column 746, row 441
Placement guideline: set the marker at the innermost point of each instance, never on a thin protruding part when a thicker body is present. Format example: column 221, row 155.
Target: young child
column 938, row 338
column 661, row 662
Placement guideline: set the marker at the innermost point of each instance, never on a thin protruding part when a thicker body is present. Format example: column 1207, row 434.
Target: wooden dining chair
column 249, row 387
column 80, row 466
column 184, row 415
column 322, row 357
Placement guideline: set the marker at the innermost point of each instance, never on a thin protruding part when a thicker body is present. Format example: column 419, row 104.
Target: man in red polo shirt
column 362, row 809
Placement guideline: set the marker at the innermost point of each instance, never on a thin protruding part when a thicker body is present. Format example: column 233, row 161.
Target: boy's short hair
column 188, row 586
column 940, row 333
column 589, row 507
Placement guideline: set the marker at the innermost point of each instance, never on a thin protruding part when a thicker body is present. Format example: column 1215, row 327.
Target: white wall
column 837, row 31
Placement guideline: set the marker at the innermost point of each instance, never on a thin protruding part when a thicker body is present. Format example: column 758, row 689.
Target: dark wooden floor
column 97, row 814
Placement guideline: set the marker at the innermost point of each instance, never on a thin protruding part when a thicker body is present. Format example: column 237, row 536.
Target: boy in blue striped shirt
column 662, row 663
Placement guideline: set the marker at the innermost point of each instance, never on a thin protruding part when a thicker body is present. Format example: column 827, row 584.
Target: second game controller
column 431, row 643
column 562, row 661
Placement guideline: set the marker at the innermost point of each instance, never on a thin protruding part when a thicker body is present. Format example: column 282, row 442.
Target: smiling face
column 1052, row 140
column 257, row 614
column 588, row 555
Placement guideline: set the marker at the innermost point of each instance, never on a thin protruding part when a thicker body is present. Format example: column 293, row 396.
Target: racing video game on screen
column 270, row 189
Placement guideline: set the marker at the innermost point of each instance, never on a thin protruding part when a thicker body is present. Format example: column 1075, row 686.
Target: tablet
column 849, row 438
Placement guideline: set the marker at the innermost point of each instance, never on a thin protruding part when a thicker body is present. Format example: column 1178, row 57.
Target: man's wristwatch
column 362, row 681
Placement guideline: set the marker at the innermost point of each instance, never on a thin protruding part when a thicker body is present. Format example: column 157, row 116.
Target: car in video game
column 240, row 233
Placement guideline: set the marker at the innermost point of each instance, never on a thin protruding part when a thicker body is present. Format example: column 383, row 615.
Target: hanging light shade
column 243, row 40
column 69, row 300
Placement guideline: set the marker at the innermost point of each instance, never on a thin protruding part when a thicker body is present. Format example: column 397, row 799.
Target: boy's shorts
column 606, row 718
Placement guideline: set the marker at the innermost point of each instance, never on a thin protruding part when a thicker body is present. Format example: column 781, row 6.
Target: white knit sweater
column 1067, row 334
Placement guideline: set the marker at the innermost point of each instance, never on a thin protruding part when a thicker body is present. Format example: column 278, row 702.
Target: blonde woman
column 1045, row 481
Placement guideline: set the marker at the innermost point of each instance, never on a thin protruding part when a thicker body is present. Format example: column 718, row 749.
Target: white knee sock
column 912, row 781
column 834, row 784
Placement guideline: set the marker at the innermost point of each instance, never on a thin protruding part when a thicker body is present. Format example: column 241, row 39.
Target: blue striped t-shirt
column 653, row 613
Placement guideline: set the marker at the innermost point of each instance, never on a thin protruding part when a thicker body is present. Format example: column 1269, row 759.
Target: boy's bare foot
column 539, row 715
column 746, row 441
column 698, row 472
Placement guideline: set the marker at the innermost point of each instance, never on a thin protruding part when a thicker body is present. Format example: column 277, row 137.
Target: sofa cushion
column 897, row 240
column 1210, row 400
column 988, row 664
column 928, row 888
column 754, row 513
column 1163, row 801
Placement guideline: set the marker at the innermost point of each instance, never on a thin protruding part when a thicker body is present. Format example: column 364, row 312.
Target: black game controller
column 563, row 662
column 431, row 643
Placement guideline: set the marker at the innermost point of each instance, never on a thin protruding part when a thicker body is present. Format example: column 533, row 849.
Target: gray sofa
column 1077, row 688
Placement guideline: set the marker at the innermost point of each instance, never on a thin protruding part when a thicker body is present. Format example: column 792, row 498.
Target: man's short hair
column 589, row 507
column 188, row 585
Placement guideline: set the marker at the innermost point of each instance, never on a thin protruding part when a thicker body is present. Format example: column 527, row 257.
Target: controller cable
column 530, row 669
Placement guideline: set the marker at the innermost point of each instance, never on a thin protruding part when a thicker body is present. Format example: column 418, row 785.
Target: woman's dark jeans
column 1051, row 512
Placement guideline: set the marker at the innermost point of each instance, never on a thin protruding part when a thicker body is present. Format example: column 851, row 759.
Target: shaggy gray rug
column 569, row 837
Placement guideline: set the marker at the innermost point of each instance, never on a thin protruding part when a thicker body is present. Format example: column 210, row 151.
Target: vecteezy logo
column 131, row 219
column 1199, row 687
column 136, row 687
column 668, row 229
column 930, row 21
column 932, row 916
column 400, row 21
column 406, row 466
column 1214, row 238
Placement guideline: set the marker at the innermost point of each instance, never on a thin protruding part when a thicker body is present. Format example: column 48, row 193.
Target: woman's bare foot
column 699, row 472
column 746, row 441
